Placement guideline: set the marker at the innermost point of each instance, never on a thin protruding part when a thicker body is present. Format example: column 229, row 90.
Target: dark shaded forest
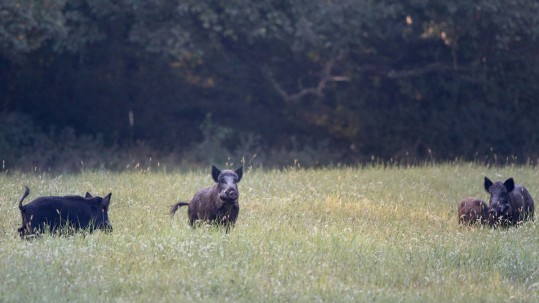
column 109, row 84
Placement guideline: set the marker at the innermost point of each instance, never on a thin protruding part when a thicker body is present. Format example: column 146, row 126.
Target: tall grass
column 373, row 234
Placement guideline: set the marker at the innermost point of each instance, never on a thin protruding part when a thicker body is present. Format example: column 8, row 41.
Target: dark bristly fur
column 510, row 203
column 72, row 212
column 217, row 204
column 473, row 211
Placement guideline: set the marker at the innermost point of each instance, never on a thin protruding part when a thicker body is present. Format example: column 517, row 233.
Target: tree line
column 335, row 81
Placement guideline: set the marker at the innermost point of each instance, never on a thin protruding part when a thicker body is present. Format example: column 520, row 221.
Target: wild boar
column 473, row 211
column 509, row 203
column 54, row 213
column 217, row 204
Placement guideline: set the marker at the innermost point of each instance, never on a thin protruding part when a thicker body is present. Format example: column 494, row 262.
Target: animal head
column 102, row 205
column 500, row 203
column 227, row 182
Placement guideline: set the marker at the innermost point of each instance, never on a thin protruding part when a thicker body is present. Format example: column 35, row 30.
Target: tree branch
column 412, row 72
column 420, row 71
column 317, row 91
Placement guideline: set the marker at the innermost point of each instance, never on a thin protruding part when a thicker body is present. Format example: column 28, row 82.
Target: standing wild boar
column 510, row 203
column 473, row 211
column 217, row 204
column 55, row 213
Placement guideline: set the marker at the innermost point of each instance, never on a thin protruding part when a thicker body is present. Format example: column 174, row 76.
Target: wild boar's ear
column 509, row 184
column 105, row 201
column 487, row 184
column 239, row 172
column 215, row 172
column 87, row 196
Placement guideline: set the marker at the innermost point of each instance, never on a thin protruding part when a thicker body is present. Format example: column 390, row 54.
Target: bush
column 27, row 147
column 24, row 146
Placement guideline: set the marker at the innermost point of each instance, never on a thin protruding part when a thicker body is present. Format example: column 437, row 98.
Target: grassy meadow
column 373, row 234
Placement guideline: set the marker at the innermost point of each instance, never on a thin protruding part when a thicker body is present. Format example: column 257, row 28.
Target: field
column 374, row 234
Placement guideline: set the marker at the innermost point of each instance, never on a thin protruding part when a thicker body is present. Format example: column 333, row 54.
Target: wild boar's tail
column 175, row 207
column 26, row 193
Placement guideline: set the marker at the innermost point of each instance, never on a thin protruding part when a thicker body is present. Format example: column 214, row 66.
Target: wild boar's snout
column 230, row 193
column 493, row 214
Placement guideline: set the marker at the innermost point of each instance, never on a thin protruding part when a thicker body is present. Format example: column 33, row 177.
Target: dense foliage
column 357, row 78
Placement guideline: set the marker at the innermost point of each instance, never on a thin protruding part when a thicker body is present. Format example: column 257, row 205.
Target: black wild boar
column 510, row 203
column 473, row 211
column 217, row 204
column 55, row 213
